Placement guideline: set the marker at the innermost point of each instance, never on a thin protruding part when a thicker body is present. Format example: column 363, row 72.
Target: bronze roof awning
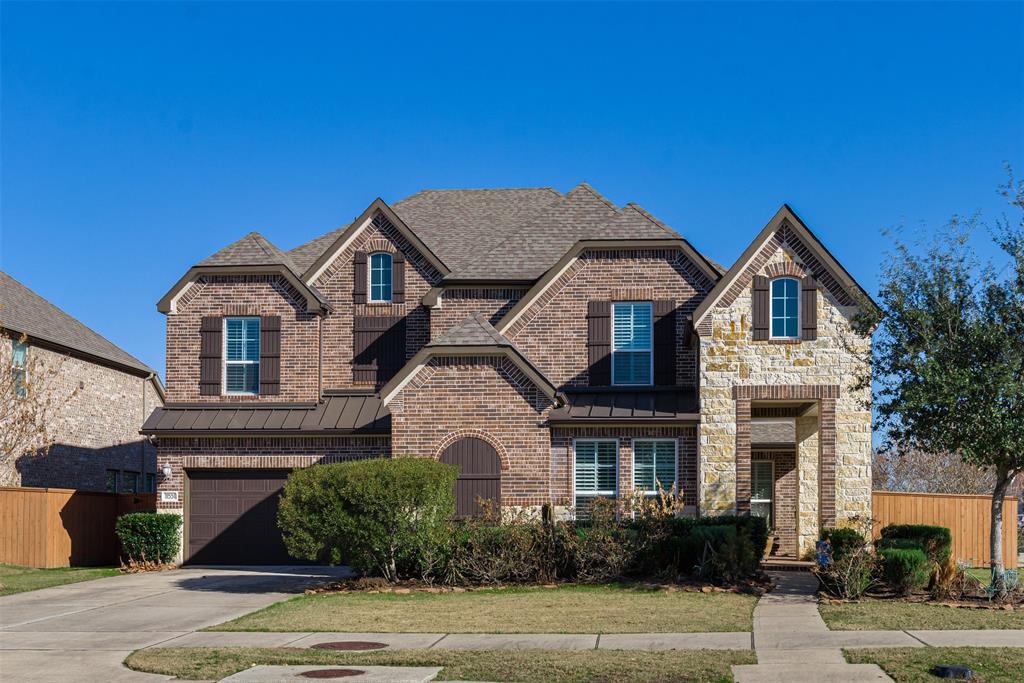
column 335, row 415
column 621, row 404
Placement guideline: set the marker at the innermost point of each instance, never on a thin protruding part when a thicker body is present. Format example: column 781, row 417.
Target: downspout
column 320, row 358
column 142, row 443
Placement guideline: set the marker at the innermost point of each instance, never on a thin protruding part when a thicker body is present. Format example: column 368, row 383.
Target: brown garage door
column 479, row 474
column 232, row 517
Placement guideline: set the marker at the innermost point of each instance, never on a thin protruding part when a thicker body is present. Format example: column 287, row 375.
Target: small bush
column 515, row 548
column 843, row 541
column 389, row 517
column 935, row 541
column 149, row 538
column 905, row 569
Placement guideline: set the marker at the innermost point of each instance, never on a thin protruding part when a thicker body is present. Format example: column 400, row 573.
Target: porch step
column 781, row 564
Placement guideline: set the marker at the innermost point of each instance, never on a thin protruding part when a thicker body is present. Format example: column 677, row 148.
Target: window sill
column 780, row 341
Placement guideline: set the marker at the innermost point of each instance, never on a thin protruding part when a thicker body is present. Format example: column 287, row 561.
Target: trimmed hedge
column 149, row 536
column 935, row 541
column 386, row 516
column 905, row 569
column 843, row 541
column 684, row 546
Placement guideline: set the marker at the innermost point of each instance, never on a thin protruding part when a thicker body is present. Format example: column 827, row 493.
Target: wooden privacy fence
column 969, row 518
column 63, row 527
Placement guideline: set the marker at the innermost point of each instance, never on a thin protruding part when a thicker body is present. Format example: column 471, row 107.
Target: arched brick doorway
column 479, row 474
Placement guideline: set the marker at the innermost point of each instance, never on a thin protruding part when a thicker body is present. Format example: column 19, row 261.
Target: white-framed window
column 19, row 366
column 762, row 487
column 632, row 342
column 655, row 461
column 595, row 471
column 784, row 309
column 241, row 356
column 380, row 277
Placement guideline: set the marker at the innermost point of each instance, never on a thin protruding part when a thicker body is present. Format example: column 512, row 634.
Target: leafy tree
column 949, row 362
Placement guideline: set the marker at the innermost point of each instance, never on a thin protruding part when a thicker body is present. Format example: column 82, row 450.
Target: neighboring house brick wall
column 729, row 357
column 458, row 304
column 95, row 421
column 226, row 295
column 486, row 397
column 337, row 283
column 553, row 331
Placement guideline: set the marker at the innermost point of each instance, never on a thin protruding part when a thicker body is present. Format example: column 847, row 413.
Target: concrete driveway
column 83, row 631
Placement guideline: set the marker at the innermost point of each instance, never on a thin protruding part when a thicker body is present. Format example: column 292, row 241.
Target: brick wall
column 95, row 421
column 485, row 397
column 458, row 304
column 553, row 332
column 337, row 282
column 223, row 295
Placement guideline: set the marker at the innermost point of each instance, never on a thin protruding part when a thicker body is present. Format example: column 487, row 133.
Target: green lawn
column 990, row 664
column 567, row 609
column 16, row 579
column 885, row 615
column 526, row 666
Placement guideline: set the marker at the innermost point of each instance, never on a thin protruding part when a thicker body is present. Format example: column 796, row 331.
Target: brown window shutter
column 760, row 307
column 378, row 349
column 599, row 342
column 665, row 342
column 270, row 355
column 398, row 278
column 359, row 277
column 809, row 309
column 211, row 331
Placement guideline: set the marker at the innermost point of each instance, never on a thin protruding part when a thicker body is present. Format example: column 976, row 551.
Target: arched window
column 380, row 277
column 785, row 318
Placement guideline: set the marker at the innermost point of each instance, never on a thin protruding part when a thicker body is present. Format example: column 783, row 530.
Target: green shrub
column 148, row 537
column 388, row 517
column 843, row 541
column 935, row 541
column 905, row 569
column 716, row 548
column 519, row 550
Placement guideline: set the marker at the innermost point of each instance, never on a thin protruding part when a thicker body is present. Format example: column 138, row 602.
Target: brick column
column 827, row 463
column 743, row 456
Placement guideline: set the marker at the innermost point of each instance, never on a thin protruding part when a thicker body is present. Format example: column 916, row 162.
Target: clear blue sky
column 139, row 138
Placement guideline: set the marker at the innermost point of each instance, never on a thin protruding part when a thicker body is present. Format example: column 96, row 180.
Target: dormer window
column 784, row 312
column 632, row 343
column 380, row 277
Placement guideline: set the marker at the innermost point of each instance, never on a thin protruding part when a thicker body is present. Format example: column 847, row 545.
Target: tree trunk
column 996, row 541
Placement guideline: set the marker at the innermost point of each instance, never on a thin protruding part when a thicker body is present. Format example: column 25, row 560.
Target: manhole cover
column 350, row 645
column 331, row 673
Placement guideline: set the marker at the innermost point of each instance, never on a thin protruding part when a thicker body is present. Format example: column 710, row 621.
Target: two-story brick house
column 555, row 347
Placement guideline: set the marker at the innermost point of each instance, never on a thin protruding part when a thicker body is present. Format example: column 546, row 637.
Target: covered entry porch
column 786, row 462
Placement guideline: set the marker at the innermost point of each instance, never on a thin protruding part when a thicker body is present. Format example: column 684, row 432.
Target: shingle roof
column 582, row 214
column 25, row 312
column 306, row 254
column 473, row 331
column 337, row 414
column 252, row 250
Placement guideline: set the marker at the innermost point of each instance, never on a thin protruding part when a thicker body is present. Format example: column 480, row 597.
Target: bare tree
column 30, row 395
column 919, row 471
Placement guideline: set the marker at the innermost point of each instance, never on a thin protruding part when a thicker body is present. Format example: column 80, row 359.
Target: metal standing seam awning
column 624, row 405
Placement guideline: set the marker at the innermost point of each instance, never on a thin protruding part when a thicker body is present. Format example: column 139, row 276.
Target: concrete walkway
column 83, row 631
column 793, row 644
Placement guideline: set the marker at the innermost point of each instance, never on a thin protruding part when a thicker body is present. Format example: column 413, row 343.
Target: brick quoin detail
column 789, row 268
column 743, row 456
column 827, row 465
column 476, row 434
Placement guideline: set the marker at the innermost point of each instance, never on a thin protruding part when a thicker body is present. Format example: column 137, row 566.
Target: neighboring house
column 557, row 348
column 100, row 395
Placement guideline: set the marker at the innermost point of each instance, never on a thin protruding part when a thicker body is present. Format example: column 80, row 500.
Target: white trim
column 675, row 456
column 369, row 277
column 224, row 356
column 340, row 250
column 599, row 493
column 771, row 305
column 649, row 383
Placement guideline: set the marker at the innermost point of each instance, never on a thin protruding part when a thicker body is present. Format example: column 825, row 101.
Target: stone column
column 807, row 458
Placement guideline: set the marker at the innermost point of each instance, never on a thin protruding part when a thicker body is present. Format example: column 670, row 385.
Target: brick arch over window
column 786, row 268
column 452, row 437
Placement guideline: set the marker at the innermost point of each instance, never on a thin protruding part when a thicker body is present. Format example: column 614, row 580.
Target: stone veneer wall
column 98, row 411
column 729, row 357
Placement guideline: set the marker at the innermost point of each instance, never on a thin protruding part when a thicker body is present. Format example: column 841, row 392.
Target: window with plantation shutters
column 632, row 343
column 241, row 356
column 595, row 467
column 654, row 464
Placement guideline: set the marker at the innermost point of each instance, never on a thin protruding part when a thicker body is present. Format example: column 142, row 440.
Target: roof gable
column 785, row 229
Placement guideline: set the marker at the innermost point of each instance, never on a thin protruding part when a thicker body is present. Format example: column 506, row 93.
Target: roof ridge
column 590, row 188
column 649, row 216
